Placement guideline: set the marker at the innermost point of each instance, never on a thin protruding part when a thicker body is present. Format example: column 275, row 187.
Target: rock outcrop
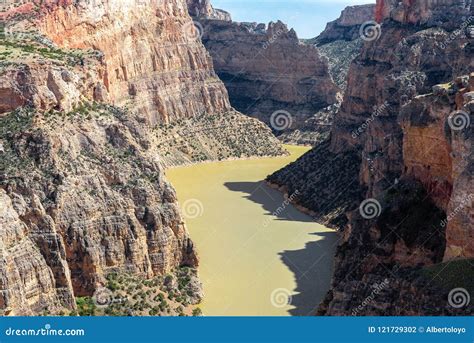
column 204, row 9
column 438, row 151
column 256, row 63
column 342, row 41
column 348, row 26
column 86, row 88
column 416, row 165
column 339, row 43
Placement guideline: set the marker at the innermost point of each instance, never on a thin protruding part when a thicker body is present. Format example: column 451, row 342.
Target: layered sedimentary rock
column 154, row 62
column 256, row 63
column 204, row 9
column 151, row 59
column 342, row 40
column 438, row 151
column 347, row 26
column 416, row 168
column 339, row 43
column 86, row 88
column 91, row 198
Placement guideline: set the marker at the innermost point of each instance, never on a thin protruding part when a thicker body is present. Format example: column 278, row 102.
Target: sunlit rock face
column 347, row 26
column 204, row 9
column 154, row 60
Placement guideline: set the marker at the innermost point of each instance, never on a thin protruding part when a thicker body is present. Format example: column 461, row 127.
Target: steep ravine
column 402, row 142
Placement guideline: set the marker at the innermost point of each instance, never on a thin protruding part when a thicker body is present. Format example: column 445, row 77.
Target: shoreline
column 233, row 159
column 300, row 207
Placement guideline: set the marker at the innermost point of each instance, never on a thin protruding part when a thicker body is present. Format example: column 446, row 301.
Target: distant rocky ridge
column 347, row 26
column 84, row 89
column 406, row 89
column 256, row 63
column 341, row 41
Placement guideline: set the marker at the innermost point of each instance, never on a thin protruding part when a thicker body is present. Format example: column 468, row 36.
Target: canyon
column 270, row 246
column 256, row 63
column 98, row 99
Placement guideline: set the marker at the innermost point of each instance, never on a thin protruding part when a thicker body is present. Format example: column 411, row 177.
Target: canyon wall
column 153, row 63
column 408, row 205
column 257, row 64
column 90, row 91
column 347, row 26
column 342, row 40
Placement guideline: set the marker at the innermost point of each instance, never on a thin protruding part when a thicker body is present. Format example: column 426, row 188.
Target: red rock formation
column 162, row 57
column 438, row 152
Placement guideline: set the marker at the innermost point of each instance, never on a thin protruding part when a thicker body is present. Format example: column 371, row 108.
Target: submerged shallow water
column 259, row 256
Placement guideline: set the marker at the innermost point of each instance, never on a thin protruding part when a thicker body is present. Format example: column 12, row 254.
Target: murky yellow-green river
column 258, row 254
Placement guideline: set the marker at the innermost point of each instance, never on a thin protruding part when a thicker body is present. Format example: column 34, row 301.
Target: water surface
column 258, row 254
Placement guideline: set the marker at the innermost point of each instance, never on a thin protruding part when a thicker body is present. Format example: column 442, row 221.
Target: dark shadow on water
column 270, row 199
column 313, row 269
column 312, row 266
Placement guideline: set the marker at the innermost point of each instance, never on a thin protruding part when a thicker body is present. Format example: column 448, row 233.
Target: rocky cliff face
column 347, row 26
column 415, row 167
column 342, row 40
column 204, row 9
column 152, row 61
column 256, row 63
column 444, row 171
column 339, row 43
column 86, row 88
